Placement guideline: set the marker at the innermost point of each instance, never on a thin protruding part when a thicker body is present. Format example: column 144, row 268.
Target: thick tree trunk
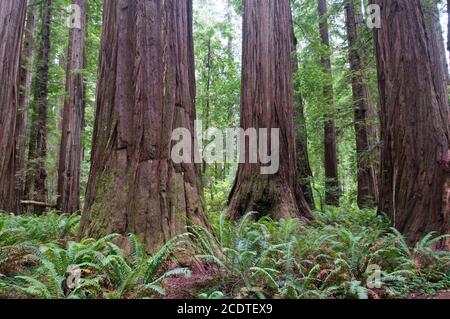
column 303, row 168
column 35, row 185
column 332, row 188
column 146, row 90
column 367, row 172
column 415, row 159
column 267, row 102
column 12, row 20
column 25, row 76
column 71, row 148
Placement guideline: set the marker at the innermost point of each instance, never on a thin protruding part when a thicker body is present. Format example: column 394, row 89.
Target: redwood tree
column 35, row 184
column 12, row 20
column 25, row 77
column 415, row 159
column 146, row 89
column 331, row 163
column 448, row 27
column 267, row 102
column 71, row 148
column 366, row 169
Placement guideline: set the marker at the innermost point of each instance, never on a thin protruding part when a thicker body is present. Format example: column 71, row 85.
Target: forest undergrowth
column 344, row 253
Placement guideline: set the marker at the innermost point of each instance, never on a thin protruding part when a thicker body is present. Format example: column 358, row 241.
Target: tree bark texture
column 35, row 185
column 146, row 89
column 366, row 167
column 415, row 158
column 71, row 148
column 22, row 119
column 267, row 102
column 12, row 20
column 332, row 188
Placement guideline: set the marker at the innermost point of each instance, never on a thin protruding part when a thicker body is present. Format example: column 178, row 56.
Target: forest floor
column 345, row 253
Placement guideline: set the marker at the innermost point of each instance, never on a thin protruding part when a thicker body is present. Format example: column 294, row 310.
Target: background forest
column 354, row 246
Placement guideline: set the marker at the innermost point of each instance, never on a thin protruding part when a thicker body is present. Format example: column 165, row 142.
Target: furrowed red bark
column 433, row 23
column 267, row 102
column 332, row 188
column 71, row 148
column 35, row 184
column 12, row 20
column 25, row 76
column 366, row 169
column 146, row 90
column 415, row 159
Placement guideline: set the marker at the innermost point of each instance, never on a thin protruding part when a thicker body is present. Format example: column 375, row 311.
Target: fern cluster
column 38, row 260
column 338, row 256
column 335, row 257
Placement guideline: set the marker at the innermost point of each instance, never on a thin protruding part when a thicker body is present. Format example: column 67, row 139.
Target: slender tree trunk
column 146, row 90
column 35, row 185
column 207, row 103
column 367, row 172
column 332, row 189
column 64, row 63
column 71, row 148
column 303, row 168
column 267, row 102
column 448, row 28
column 415, row 159
column 25, row 76
column 12, row 20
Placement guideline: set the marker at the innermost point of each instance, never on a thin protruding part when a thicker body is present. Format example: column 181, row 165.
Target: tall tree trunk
column 146, row 90
column 303, row 168
column 367, row 172
column 35, row 185
column 448, row 28
column 207, row 101
column 71, row 148
column 12, row 20
column 332, row 188
column 415, row 159
column 25, row 76
column 431, row 13
column 267, row 102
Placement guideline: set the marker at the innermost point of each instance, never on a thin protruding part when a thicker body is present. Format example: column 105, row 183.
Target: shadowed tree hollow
column 267, row 102
column 415, row 170
column 12, row 20
column 146, row 89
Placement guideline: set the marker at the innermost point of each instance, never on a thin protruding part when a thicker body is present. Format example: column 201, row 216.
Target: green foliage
column 38, row 258
column 328, row 259
column 331, row 258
